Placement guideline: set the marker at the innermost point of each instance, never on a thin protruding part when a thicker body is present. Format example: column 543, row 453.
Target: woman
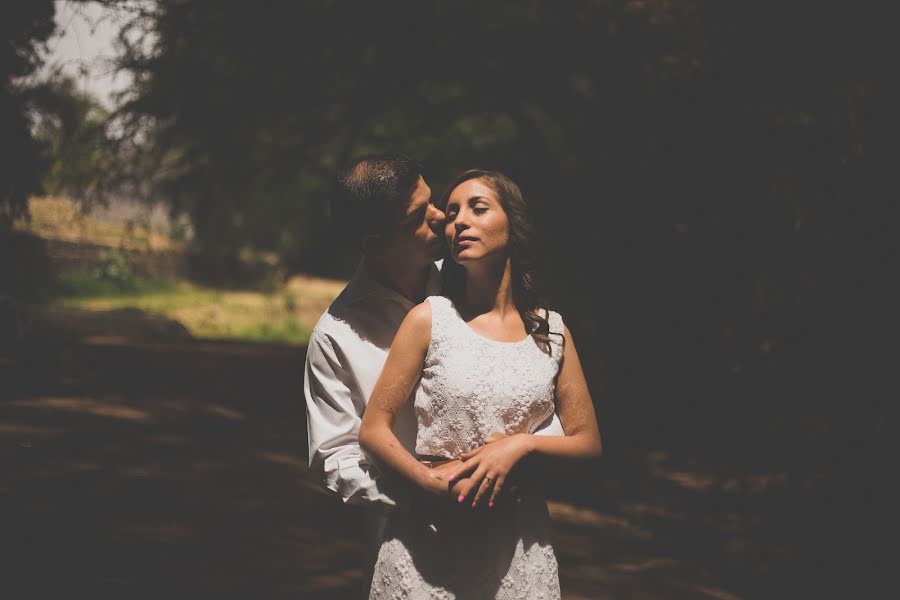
column 493, row 365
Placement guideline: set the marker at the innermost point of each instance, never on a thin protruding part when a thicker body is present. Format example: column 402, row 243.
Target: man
column 385, row 205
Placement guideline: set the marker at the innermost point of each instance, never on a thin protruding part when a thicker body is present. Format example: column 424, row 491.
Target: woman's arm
column 401, row 372
column 490, row 465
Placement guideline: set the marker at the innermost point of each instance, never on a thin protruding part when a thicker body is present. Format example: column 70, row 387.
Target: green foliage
column 78, row 284
column 287, row 331
column 678, row 155
column 80, row 156
column 687, row 109
column 115, row 269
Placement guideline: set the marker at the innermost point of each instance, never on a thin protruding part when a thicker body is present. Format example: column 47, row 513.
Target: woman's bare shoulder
column 417, row 323
column 420, row 314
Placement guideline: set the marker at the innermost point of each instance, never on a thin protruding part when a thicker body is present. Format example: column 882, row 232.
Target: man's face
column 419, row 234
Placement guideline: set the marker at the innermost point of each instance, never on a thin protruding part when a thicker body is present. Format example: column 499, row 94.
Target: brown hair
column 373, row 193
column 523, row 252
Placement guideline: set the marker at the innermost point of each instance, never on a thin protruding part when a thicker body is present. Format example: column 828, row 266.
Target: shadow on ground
column 153, row 467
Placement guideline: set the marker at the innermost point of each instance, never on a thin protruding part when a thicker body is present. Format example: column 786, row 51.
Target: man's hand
column 439, row 483
column 432, row 502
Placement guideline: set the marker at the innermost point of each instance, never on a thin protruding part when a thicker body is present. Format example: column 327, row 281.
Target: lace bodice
column 473, row 386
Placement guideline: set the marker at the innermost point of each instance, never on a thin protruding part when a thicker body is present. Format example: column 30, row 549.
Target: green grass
column 72, row 284
column 285, row 315
column 205, row 312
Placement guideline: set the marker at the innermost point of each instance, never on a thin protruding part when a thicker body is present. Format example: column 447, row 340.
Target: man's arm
column 334, row 409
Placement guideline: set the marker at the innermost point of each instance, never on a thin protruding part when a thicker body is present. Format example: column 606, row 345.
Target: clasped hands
column 482, row 474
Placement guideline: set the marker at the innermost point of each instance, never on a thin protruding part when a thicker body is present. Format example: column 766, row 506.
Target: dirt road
column 158, row 469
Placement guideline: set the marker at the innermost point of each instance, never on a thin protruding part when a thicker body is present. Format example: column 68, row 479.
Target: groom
column 385, row 207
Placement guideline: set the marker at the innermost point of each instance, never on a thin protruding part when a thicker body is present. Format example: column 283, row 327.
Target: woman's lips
column 464, row 241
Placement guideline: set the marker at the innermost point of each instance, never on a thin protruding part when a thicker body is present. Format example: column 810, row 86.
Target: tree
column 79, row 154
column 24, row 26
column 712, row 178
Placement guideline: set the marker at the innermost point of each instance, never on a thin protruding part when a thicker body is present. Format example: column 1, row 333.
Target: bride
column 492, row 365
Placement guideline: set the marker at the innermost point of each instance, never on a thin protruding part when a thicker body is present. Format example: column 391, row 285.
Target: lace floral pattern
column 471, row 387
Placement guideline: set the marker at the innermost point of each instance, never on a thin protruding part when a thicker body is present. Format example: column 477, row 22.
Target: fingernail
column 460, row 499
column 490, row 505
column 473, row 505
column 452, row 477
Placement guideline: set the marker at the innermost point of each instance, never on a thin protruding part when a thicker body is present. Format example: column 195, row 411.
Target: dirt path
column 177, row 469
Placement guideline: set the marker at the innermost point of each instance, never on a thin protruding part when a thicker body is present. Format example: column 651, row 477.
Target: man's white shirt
column 345, row 356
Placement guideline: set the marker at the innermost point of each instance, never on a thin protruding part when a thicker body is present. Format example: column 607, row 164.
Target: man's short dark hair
column 373, row 194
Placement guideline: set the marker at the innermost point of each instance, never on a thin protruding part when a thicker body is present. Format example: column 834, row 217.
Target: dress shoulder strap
column 557, row 332
column 441, row 307
column 555, row 320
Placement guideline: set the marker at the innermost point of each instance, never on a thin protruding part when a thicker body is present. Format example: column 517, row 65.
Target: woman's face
column 476, row 226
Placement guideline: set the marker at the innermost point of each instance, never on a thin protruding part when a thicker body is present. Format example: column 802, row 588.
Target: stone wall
column 27, row 261
column 75, row 256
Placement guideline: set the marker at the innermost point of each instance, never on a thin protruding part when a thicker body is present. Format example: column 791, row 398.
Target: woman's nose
column 461, row 220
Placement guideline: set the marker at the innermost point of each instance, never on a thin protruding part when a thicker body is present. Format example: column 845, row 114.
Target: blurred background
column 715, row 188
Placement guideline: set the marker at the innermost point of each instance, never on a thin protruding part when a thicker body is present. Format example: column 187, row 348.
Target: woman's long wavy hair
column 523, row 252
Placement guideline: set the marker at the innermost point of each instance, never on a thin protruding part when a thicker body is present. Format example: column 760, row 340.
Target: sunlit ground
column 283, row 312
column 286, row 315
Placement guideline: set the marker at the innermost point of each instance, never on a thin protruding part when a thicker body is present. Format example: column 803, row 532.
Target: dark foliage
column 24, row 26
column 713, row 176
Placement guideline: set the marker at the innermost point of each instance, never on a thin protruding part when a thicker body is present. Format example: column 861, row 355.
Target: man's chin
column 438, row 252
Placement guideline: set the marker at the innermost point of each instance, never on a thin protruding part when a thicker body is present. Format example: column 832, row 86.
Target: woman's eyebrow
column 476, row 198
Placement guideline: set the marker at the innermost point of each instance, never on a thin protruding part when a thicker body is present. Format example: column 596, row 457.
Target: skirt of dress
column 460, row 553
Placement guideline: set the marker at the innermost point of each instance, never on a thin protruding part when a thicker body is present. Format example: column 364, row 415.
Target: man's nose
column 435, row 214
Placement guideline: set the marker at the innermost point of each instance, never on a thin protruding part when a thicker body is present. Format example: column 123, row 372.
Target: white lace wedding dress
column 472, row 387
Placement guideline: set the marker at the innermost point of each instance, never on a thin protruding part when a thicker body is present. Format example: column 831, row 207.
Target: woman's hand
column 437, row 482
column 490, row 465
column 458, row 485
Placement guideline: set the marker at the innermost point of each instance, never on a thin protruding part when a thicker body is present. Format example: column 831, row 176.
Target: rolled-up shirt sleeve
column 333, row 415
column 552, row 426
